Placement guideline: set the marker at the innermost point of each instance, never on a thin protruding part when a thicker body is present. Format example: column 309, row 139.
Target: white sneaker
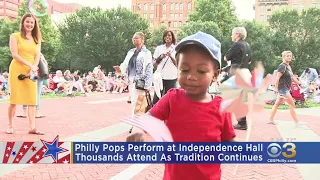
column 272, row 122
column 301, row 123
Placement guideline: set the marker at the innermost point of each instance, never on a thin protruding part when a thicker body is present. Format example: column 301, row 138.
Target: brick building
column 173, row 13
column 9, row 8
column 264, row 8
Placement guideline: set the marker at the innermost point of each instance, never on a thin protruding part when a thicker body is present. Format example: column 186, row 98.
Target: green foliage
column 6, row 29
column 309, row 104
column 219, row 11
column 299, row 33
column 208, row 27
column 4, row 57
column 155, row 37
column 93, row 36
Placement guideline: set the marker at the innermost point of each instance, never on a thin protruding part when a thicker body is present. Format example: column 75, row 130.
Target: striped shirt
column 168, row 70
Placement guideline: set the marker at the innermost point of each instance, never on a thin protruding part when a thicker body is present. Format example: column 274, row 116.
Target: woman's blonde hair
column 67, row 72
column 284, row 53
column 140, row 34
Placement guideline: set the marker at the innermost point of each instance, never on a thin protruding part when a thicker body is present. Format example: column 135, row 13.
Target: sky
column 244, row 8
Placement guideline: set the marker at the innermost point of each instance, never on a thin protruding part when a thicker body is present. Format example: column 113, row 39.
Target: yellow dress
column 23, row 92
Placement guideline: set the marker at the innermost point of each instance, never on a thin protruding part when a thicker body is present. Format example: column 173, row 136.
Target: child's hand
column 136, row 137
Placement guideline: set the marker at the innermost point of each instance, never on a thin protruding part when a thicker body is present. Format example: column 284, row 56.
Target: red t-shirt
column 192, row 121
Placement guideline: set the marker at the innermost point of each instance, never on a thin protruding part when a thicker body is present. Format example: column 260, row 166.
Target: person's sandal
column 35, row 131
column 9, row 130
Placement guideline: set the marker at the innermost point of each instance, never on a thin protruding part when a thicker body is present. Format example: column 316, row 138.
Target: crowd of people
column 69, row 83
column 93, row 81
column 4, row 86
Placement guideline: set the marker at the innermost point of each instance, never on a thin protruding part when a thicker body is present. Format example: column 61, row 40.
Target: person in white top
column 63, row 83
column 164, row 60
column 97, row 69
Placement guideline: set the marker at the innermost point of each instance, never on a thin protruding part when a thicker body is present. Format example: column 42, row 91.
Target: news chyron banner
column 42, row 152
column 48, row 152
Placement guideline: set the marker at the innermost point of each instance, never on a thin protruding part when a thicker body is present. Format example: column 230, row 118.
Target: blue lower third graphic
column 195, row 153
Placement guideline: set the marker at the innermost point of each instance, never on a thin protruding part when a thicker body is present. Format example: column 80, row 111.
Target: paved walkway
column 96, row 118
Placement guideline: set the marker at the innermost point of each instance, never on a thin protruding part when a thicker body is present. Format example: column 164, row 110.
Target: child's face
column 196, row 72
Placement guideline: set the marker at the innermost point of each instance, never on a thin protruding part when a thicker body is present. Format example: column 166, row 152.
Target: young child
column 191, row 113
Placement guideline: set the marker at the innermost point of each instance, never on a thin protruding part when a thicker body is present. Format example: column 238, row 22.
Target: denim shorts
column 283, row 91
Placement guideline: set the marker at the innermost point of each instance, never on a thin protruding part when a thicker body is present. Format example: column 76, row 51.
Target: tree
column 299, row 33
column 4, row 57
column 221, row 12
column 99, row 37
column 155, row 37
column 6, row 28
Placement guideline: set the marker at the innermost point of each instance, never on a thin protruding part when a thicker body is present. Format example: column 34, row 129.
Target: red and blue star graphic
column 53, row 148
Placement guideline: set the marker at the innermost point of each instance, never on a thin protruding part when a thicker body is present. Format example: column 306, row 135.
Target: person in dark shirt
column 282, row 88
column 94, row 84
column 238, row 56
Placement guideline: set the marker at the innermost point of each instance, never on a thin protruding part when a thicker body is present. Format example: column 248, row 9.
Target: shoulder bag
column 139, row 83
column 43, row 68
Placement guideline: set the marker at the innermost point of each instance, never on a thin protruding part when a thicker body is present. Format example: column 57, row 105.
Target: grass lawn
column 284, row 107
column 48, row 96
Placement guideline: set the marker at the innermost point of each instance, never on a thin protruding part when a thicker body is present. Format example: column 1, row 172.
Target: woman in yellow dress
column 25, row 47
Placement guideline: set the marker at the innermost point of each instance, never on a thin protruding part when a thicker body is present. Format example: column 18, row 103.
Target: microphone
column 32, row 77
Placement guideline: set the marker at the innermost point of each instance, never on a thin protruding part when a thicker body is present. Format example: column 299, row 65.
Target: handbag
column 140, row 104
column 43, row 68
column 140, row 83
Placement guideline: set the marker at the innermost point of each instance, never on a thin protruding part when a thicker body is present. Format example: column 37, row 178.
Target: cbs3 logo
column 274, row 150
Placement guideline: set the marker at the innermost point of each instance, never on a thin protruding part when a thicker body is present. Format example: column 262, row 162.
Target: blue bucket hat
column 208, row 42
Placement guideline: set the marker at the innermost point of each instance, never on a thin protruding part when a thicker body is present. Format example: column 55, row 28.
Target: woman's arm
column 276, row 85
column 156, row 53
column 124, row 65
column 14, row 51
column 173, row 59
column 295, row 80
